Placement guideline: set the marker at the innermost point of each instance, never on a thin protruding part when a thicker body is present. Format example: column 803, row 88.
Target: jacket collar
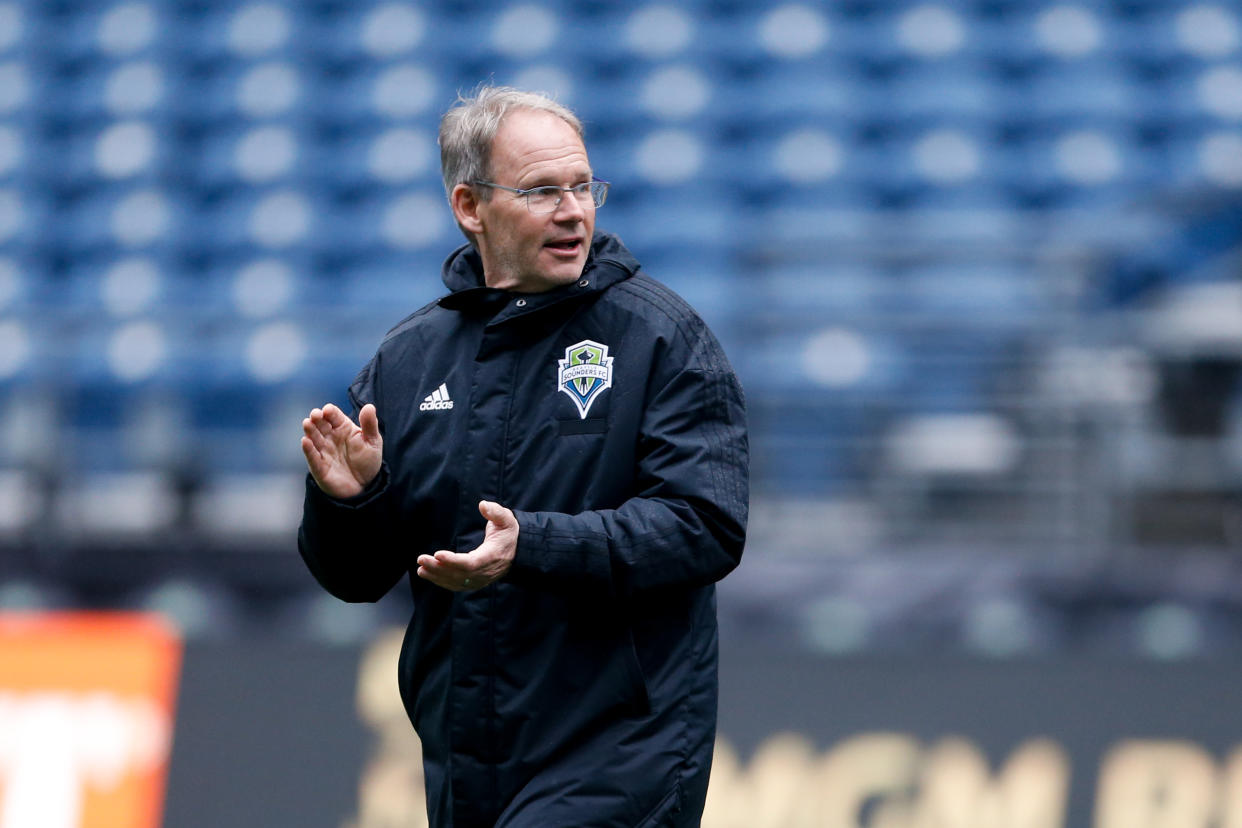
column 608, row 262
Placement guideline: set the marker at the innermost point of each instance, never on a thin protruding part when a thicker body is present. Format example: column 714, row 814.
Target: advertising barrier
column 86, row 719
column 287, row 735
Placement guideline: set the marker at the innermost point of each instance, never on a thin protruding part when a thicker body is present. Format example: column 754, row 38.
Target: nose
column 570, row 208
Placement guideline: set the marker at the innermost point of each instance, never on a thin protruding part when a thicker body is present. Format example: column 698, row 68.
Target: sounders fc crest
column 584, row 373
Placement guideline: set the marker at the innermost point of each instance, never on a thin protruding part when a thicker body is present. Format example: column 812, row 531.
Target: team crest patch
column 585, row 372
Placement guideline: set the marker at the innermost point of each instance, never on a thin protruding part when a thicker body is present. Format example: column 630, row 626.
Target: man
column 556, row 453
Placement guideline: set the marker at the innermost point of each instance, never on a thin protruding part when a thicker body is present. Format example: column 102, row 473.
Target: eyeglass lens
column 547, row 199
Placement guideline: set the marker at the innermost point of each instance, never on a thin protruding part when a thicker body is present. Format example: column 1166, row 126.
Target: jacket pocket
column 661, row 814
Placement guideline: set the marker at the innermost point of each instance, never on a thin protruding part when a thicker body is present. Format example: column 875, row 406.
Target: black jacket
column 580, row 690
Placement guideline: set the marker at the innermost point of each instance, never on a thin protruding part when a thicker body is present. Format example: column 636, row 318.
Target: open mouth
column 570, row 246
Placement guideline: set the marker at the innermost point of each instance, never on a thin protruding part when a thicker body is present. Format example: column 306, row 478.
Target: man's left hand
column 489, row 561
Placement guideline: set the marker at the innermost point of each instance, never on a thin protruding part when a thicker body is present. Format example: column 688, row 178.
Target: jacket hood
column 608, row 262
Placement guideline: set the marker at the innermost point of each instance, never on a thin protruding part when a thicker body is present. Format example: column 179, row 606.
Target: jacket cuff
column 521, row 568
column 373, row 491
column 558, row 558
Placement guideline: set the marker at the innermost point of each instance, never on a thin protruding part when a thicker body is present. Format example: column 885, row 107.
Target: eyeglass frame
column 526, row 194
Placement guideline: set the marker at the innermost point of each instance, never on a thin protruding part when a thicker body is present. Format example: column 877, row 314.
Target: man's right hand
column 342, row 457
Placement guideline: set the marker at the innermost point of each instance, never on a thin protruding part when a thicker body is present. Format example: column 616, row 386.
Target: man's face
column 534, row 252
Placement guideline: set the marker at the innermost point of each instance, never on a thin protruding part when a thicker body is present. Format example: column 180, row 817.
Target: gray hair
column 467, row 130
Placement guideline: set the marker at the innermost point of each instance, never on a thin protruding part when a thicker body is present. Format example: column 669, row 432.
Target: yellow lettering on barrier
column 391, row 790
column 1170, row 784
column 774, row 790
column 876, row 780
column 887, row 780
column 1231, row 791
column 959, row 791
column 872, row 774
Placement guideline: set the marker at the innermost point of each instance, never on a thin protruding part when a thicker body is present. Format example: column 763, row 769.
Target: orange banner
column 86, row 719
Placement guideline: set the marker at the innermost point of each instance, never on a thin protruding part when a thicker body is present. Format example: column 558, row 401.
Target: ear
column 465, row 203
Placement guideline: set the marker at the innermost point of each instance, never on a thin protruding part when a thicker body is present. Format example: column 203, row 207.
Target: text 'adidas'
column 437, row 400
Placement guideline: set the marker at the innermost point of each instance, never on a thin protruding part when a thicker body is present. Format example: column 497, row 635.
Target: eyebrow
column 543, row 181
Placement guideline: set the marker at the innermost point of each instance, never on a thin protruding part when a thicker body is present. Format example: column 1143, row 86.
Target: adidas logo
column 437, row 400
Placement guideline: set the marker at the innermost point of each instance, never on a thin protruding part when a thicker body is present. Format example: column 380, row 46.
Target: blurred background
column 978, row 265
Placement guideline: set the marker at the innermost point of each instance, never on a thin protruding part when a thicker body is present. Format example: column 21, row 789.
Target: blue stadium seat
column 807, row 441
column 985, row 211
column 1195, row 96
column 635, row 102
column 998, row 294
column 107, row 154
column 154, row 350
column 793, row 153
column 25, row 213
column 404, row 91
column 260, row 285
column 835, row 211
column 102, row 90
column 819, row 292
column 237, row 31
column 826, row 90
column 239, row 154
column 955, row 92
column 910, row 166
column 376, row 31
column 23, row 278
column 231, row 91
column 1097, row 166
column 84, row 32
column 30, row 350
column 695, row 213
column 124, row 217
column 250, row 220
column 614, row 37
column 1197, row 156
column 1036, row 36
column 1058, row 94
column 89, row 289
column 384, row 288
column 1179, row 36
column 374, row 152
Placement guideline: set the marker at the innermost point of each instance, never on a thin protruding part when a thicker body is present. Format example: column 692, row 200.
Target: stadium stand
column 923, row 231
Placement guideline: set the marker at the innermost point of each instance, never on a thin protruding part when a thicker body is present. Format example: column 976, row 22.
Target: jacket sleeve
column 348, row 544
column 686, row 524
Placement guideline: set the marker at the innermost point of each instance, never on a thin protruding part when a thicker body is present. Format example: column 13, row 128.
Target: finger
column 335, row 416
column 368, row 419
column 436, row 578
column 319, row 419
column 311, row 433
column 497, row 514
column 318, row 432
column 455, row 561
column 451, row 582
column 315, row 462
column 309, row 450
column 443, row 562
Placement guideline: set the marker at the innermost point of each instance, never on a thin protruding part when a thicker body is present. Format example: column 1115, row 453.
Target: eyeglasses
column 547, row 198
